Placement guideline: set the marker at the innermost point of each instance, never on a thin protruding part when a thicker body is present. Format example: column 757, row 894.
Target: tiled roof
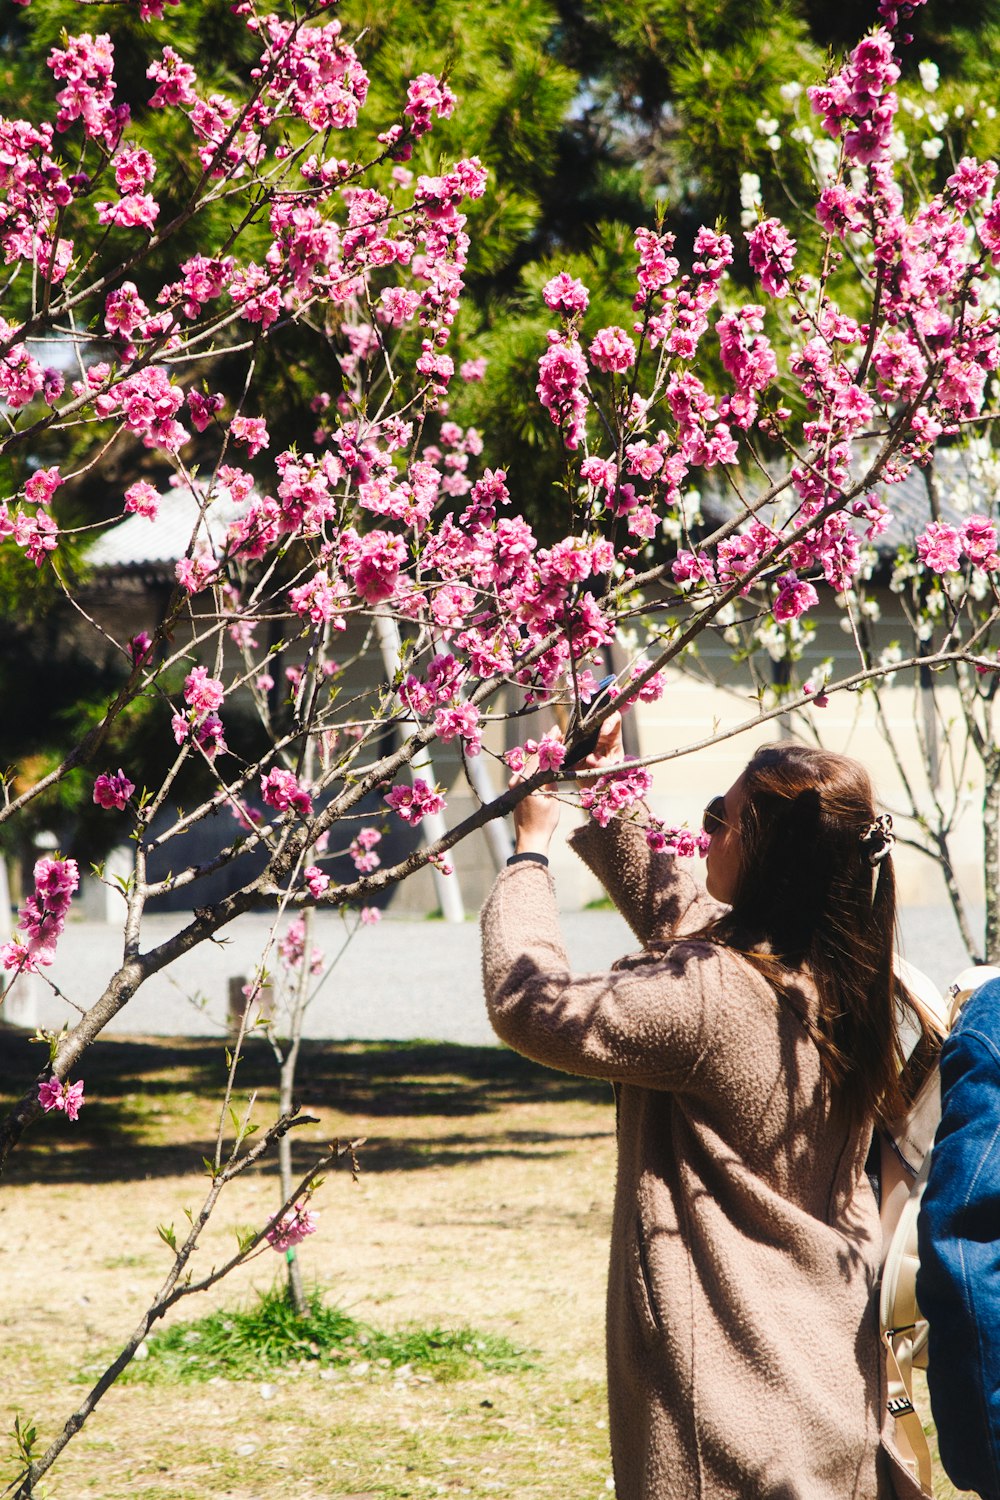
column 958, row 494
column 138, row 542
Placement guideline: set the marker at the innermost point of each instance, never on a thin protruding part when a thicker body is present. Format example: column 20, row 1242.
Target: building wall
column 691, row 713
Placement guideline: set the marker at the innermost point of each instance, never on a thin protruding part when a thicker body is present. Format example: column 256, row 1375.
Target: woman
column 752, row 1045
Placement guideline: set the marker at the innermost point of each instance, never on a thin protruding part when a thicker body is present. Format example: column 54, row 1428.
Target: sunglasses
column 713, row 819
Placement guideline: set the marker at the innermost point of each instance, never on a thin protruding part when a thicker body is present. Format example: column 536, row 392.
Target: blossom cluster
column 282, row 790
column 382, row 506
column 616, row 791
column 43, row 916
column 942, row 547
column 415, row 802
column 113, row 790
column 68, row 1097
column 201, row 724
column 292, row 1227
column 292, row 948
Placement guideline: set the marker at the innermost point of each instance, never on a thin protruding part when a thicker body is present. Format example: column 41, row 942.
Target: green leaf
column 167, row 1235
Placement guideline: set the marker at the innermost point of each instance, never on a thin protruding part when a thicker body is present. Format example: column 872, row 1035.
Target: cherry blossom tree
column 936, row 553
column 844, row 370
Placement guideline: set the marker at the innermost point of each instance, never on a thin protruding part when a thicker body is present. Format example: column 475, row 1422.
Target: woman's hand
column 610, row 747
column 536, row 816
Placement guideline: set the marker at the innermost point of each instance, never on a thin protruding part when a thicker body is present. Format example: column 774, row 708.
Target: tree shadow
column 149, row 1100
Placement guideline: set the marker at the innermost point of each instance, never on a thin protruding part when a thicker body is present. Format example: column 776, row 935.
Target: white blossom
column 750, row 198
column 887, row 658
column 930, row 75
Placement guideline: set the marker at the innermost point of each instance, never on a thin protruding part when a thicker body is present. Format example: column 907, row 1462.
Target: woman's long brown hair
column 808, row 899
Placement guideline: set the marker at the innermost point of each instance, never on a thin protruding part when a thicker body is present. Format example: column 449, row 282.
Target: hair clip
column 878, row 839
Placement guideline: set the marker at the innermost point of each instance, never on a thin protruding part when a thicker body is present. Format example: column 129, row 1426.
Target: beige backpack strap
column 904, row 1333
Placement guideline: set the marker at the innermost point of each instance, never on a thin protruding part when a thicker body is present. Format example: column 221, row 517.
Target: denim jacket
column 958, row 1283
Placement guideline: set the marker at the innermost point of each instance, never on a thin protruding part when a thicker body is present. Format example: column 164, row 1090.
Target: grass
column 255, row 1342
column 477, row 1231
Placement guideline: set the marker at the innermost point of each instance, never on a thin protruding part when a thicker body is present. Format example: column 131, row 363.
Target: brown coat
column 743, row 1354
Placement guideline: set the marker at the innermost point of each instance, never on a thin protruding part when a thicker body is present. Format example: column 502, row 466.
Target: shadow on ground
column 150, row 1101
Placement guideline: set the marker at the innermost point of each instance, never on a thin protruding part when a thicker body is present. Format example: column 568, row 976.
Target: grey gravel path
column 399, row 981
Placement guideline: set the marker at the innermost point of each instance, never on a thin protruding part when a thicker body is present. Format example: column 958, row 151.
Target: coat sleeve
column 958, row 1283
column 657, row 898
column 648, row 1024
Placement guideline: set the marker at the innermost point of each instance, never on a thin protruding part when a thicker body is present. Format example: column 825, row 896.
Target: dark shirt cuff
column 538, row 859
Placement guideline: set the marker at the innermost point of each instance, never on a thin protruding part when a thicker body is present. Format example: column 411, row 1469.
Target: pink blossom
column 839, row 211
column 37, row 534
column 472, row 369
column 362, row 851
column 772, row 254
column 210, row 736
column 134, row 211
column 610, row 794
column 43, row 916
column 399, row 304
column 652, row 689
column 564, row 293
column 195, row 573
column 113, row 790
column 292, row 1228
column 252, row 431
column 692, row 567
column 462, row 720
column 370, row 916
column 940, row 547
column 612, row 350
column 202, row 693
column 316, row 881
column 53, row 384
column 320, row 600
column 415, row 802
column 562, row 373
column 140, row 646
column 292, row 948
column 142, row 500
column 551, row 751
column 425, row 97
column 134, row 167
column 970, row 181
column 204, row 408
column 281, row 790
column 794, row 597
column 72, row 1100
column 52, row 1094
column 516, row 758
column 124, row 310
column 379, row 558
column 979, row 540
column 657, row 267
column 42, row 485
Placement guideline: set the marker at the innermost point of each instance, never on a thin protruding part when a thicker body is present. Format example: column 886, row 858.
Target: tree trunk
column 991, row 859
column 296, row 1291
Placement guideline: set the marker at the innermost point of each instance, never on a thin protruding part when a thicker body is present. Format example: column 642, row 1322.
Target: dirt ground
column 483, row 1200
